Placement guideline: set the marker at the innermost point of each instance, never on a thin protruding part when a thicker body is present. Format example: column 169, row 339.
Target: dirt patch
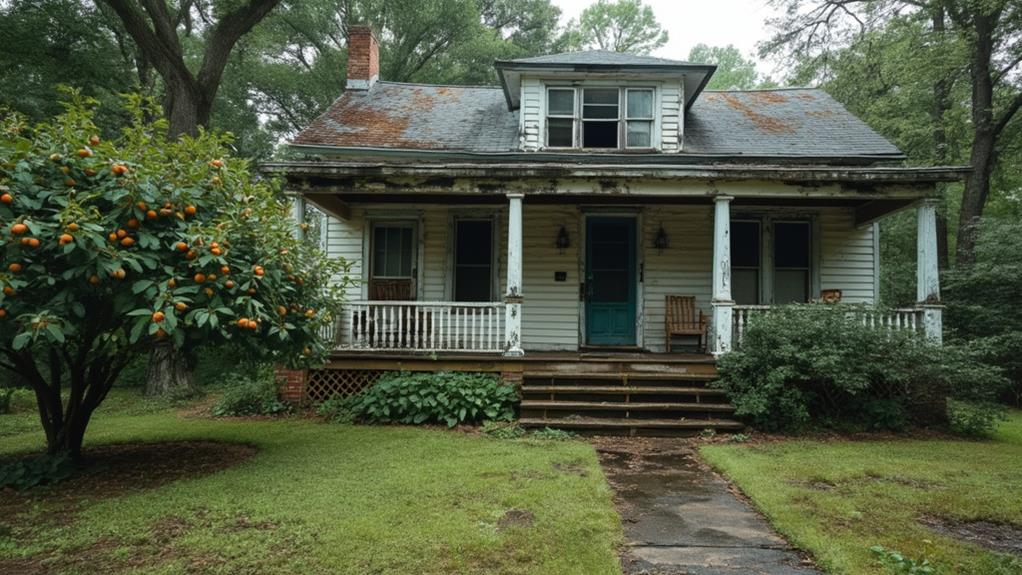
column 515, row 518
column 999, row 537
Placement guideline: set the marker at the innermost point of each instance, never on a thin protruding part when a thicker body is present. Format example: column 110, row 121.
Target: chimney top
column 363, row 58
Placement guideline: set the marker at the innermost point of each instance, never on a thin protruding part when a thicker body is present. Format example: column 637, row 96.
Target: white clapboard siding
column 847, row 257
column 531, row 114
column 550, row 309
column 670, row 117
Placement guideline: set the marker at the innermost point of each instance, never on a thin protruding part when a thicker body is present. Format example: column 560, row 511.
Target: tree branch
column 1009, row 112
column 222, row 39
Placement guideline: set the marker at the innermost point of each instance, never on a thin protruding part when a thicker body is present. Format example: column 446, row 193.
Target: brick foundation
column 291, row 384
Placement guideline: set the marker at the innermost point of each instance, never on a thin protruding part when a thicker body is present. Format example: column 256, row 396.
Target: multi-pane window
column 792, row 256
column 560, row 121
column 599, row 117
column 392, row 250
column 639, row 118
column 782, row 273
column 745, row 262
column 473, row 260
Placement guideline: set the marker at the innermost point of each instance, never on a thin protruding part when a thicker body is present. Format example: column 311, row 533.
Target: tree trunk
column 941, row 105
column 169, row 372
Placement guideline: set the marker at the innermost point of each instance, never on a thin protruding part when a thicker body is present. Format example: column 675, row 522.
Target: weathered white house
column 545, row 226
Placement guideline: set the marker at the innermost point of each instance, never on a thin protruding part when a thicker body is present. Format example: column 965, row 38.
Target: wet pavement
column 681, row 518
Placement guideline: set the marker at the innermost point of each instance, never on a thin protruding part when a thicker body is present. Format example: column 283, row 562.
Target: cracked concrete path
column 681, row 518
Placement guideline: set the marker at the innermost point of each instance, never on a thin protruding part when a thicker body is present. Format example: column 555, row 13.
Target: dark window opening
column 599, row 134
column 792, row 256
column 745, row 262
column 473, row 260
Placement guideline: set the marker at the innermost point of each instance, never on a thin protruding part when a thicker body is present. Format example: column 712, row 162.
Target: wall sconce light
column 661, row 242
column 563, row 240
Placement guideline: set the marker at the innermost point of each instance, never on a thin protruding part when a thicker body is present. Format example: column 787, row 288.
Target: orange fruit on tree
column 171, row 283
column 89, row 172
column 121, row 233
column 217, row 163
column 215, row 180
column 118, row 169
column 84, row 152
column 199, row 278
column 310, row 312
column 160, row 333
column 190, row 210
column 180, row 306
column 15, row 267
column 216, row 251
column 281, row 310
column 166, row 212
column 18, row 229
column 258, row 270
column 67, row 238
column 70, row 182
column 94, row 280
column 72, row 227
column 133, row 223
column 24, row 241
column 6, row 198
column 33, row 242
column 56, row 157
column 181, row 247
column 112, row 237
column 8, row 290
column 142, row 206
column 251, row 291
column 211, row 277
column 94, row 140
column 128, row 242
column 3, row 313
column 119, row 273
column 225, row 270
column 191, row 255
column 150, row 215
column 229, row 284
column 209, row 292
column 158, row 317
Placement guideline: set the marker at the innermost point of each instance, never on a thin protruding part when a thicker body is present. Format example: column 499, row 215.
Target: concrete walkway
column 680, row 518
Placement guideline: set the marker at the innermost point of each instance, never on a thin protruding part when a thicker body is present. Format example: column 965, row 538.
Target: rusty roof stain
column 760, row 120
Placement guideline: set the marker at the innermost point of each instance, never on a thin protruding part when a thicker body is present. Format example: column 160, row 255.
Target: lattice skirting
column 323, row 384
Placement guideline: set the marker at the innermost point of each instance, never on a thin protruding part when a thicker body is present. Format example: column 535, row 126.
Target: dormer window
column 599, row 122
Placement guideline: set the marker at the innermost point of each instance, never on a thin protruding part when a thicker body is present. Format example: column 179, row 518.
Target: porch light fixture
column 563, row 240
column 661, row 242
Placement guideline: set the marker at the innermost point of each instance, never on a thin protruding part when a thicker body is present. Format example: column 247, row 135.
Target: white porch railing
column 887, row 320
column 423, row 326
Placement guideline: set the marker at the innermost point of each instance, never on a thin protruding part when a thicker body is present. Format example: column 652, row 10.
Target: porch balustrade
column 898, row 319
column 423, row 326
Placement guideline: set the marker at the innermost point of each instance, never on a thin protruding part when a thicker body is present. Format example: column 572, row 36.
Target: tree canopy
column 620, row 26
column 734, row 71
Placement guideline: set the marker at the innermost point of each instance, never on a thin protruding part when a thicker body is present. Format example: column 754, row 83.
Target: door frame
column 635, row 213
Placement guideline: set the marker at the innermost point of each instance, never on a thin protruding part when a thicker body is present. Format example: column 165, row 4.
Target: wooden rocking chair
column 681, row 319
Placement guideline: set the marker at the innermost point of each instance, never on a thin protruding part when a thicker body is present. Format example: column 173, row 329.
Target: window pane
column 599, row 112
column 599, row 134
column 379, row 251
column 640, row 103
column 472, row 283
column 559, row 132
column 791, row 245
column 745, row 286
column 392, row 251
column 474, row 242
column 745, row 248
column 561, row 103
column 791, row 286
column 639, row 134
column 406, row 252
column 600, row 96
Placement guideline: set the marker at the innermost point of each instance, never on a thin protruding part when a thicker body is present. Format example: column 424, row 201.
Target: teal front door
column 610, row 281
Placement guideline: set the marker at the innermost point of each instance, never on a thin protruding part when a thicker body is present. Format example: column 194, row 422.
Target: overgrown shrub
column 445, row 397
column 813, row 363
column 250, row 392
column 974, row 419
column 337, row 409
column 42, row 470
column 16, row 400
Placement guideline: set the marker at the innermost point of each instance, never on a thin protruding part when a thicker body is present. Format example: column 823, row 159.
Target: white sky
column 691, row 22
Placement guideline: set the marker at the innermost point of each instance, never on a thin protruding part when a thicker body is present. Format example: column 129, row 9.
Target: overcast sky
column 691, row 22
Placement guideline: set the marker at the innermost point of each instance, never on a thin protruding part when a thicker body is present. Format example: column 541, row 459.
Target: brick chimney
column 363, row 58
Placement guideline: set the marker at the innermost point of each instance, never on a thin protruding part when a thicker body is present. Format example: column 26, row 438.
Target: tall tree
column 734, row 71
column 621, row 26
column 157, row 29
column 987, row 32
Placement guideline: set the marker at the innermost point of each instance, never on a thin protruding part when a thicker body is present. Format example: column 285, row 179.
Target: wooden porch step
column 620, row 424
column 625, row 406
column 622, row 389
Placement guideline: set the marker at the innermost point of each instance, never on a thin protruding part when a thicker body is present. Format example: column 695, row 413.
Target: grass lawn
column 836, row 499
column 320, row 498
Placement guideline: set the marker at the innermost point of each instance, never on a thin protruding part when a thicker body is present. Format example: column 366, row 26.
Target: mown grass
column 836, row 499
column 322, row 498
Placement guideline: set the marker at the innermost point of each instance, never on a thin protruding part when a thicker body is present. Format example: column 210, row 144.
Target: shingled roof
column 731, row 125
column 600, row 58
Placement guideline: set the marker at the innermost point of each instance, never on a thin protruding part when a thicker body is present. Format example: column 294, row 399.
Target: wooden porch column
column 928, row 271
column 722, row 302
column 513, row 296
column 298, row 214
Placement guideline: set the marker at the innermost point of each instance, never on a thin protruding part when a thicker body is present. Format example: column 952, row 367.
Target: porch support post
column 298, row 215
column 513, row 296
column 928, row 271
column 722, row 302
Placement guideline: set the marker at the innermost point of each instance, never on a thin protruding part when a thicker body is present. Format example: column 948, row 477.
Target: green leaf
column 21, row 340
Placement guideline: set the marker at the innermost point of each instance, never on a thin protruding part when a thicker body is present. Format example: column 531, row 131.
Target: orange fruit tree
column 53, row 274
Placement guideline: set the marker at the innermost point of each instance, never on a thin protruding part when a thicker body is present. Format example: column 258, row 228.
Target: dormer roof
column 599, row 63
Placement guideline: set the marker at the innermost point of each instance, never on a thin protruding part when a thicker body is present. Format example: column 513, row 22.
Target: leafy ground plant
column 252, row 392
column 898, row 564
column 35, row 471
column 446, row 397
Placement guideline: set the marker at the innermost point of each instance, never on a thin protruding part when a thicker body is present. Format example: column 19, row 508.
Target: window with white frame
column 473, row 260
column 594, row 117
column 392, row 265
column 781, row 273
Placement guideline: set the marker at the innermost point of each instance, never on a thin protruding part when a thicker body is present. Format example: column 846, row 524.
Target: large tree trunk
column 169, row 372
column 941, row 105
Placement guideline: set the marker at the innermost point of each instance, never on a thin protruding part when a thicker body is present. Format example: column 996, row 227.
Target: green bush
column 445, row 397
column 819, row 364
column 250, row 392
column 503, row 429
column 337, row 409
column 974, row 419
column 16, row 400
column 42, row 470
